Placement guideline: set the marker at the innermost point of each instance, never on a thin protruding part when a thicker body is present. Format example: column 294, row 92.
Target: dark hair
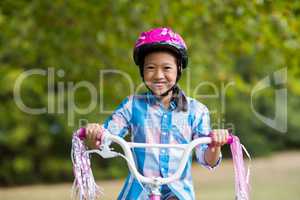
column 180, row 99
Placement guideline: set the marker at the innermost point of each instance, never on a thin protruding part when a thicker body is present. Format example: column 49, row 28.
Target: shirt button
column 163, row 151
column 165, row 116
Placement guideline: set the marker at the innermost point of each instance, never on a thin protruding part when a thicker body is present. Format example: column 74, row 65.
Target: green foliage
column 229, row 41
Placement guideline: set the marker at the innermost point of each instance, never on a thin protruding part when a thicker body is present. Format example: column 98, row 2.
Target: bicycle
column 86, row 187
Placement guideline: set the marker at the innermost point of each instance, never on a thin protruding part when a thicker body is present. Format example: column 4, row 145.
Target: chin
column 159, row 92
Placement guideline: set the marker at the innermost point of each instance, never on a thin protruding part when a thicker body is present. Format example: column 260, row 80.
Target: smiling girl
column 162, row 115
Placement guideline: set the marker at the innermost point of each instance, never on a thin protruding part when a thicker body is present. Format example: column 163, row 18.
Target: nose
column 158, row 74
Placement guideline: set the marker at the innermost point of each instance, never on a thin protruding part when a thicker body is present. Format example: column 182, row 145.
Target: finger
column 98, row 144
column 100, row 132
column 220, row 137
column 97, row 132
column 94, row 132
column 88, row 132
column 214, row 137
column 224, row 137
column 217, row 137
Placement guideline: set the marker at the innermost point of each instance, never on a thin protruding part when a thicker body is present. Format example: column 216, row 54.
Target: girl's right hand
column 94, row 133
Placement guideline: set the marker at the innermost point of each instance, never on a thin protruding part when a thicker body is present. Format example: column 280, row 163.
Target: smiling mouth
column 159, row 84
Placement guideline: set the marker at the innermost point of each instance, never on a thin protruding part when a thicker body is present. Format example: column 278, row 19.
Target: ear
column 179, row 65
column 179, row 70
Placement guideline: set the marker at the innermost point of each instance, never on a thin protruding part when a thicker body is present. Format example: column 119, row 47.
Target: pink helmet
column 160, row 38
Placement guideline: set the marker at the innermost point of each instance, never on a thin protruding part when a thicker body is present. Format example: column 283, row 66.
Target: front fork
column 155, row 192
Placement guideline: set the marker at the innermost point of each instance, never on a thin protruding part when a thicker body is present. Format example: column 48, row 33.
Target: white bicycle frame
column 154, row 183
column 84, row 184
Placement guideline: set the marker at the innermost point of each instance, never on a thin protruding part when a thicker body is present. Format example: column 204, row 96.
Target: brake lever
column 107, row 152
column 104, row 151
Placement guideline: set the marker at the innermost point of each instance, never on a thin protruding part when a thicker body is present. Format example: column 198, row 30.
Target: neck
column 165, row 100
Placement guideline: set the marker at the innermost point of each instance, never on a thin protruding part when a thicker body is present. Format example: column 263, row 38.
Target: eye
column 167, row 67
column 149, row 67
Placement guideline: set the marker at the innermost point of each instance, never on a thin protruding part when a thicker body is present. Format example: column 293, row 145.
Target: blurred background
column 233, row 45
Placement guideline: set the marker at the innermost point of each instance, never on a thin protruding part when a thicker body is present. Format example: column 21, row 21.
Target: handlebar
column 126, row 146
column 82, row 135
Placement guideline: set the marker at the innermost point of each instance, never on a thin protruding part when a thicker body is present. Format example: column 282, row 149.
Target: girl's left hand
column 219, row 137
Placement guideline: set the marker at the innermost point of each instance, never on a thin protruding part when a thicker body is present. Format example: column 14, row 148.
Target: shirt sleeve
column 201, row 127
column 119, row 122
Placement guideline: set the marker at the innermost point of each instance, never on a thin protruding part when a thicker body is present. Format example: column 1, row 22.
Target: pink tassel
column 242, row 185
column 84, row 186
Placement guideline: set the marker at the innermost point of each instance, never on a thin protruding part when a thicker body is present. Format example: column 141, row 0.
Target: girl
column 162, row 115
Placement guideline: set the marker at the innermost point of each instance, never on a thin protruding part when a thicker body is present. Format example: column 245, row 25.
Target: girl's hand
column 219, row 137
column 94, row 133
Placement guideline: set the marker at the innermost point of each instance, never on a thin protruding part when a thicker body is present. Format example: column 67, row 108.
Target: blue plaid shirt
column 148, row 121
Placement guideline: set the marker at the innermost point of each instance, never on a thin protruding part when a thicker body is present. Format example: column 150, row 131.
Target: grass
column 276, row 177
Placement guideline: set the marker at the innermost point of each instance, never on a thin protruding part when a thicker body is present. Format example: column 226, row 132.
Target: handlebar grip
column 230, row 139
column 82, row 133
column 230, row 136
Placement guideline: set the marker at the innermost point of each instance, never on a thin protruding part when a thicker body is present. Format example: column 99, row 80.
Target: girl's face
column 160, row 71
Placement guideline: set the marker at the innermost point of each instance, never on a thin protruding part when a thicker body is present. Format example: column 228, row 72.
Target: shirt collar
column 153, row 100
